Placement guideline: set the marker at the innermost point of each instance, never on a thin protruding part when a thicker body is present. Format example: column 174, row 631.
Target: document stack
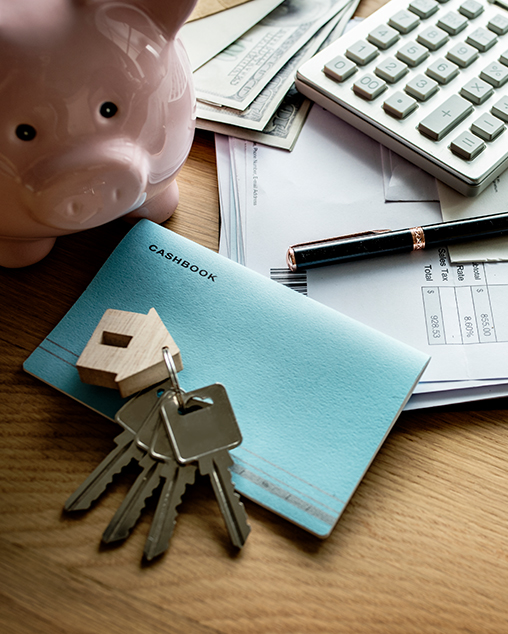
column 336, row 182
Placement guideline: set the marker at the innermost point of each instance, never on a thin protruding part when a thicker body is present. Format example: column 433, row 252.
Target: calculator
column 427, row 79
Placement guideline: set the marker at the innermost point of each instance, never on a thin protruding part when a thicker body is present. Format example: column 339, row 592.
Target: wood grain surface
column 421, row 548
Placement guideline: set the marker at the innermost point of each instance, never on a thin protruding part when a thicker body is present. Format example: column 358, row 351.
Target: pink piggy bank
column 97, row 116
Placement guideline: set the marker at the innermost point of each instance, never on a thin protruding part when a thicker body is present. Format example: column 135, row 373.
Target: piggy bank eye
column 26, row 132
column 108, row 109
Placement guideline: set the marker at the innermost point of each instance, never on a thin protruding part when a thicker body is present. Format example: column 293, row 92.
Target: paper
column 314, row 392
column 209, row 7
column 237, row 76
column 332, row 185
column 404, row 181
column 493, row 200
column 206, row 38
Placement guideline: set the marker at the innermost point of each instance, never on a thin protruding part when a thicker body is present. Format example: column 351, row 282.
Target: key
column 134, row 502
column 444, row 119
column 423, row 8
column 399, row 105
column 467, row 146
column 217, row 466
column 471, row 9
column 361, row 52
column 369, row 86
column 452, row 22
column 204, row 435
column 340, row 68
column 136, row 408
column 132, row 416
column 96, row 483
column 176, row 478
column 487, row 127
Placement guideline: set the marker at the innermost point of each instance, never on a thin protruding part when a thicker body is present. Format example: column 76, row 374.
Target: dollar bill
column 236, row 76
column 285, row 122
column 260, row 111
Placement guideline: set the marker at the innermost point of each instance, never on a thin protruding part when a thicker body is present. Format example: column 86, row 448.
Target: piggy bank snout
column 82, row 189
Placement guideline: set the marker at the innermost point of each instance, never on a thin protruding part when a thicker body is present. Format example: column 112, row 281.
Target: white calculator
column 427, row 79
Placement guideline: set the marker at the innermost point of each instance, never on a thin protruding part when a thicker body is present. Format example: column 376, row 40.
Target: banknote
column 236, row 76
column 281, row 131
column 285, row 123
column 261, row 110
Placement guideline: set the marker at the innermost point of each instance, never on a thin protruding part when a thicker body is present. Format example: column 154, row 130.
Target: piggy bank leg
column 17, row 253
column 159, row 208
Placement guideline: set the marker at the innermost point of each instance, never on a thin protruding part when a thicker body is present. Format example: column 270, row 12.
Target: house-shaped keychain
column 125, row 352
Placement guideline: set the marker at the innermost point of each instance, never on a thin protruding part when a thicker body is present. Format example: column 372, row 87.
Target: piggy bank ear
column 171, row 14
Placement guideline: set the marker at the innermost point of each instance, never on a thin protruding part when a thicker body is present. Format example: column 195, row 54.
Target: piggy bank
column 97, row 116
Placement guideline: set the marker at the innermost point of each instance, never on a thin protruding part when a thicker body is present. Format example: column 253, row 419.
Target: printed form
column 332, row 184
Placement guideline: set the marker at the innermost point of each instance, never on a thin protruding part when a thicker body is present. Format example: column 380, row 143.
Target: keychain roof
column 124, row 352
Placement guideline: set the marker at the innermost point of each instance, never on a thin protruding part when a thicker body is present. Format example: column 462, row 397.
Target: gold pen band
column 418, row 236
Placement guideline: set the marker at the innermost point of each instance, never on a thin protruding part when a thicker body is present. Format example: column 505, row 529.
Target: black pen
column 368, row 244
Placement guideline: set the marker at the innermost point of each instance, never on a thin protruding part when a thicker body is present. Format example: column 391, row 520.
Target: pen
column 367, row 244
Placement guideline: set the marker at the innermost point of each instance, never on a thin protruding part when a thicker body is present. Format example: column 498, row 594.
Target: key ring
column 170, row 364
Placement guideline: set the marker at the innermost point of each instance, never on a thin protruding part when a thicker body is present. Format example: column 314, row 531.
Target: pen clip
column 371, row 232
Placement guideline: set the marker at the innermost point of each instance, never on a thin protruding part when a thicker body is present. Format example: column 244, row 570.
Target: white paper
column 404, row 181
column 207, row 37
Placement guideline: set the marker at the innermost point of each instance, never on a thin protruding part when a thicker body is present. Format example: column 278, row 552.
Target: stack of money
column 245, row 58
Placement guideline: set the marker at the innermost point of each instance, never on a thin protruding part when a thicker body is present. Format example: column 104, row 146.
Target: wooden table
column 421, row 548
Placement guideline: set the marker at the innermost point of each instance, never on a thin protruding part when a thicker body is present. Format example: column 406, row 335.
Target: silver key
column 96, row 483
column 176, row 478
column 133, row 416
column 134, row 502
column 204, row 435
column 217, row 467
column 152, row 471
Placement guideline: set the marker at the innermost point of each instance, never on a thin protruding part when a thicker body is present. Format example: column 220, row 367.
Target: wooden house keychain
column 169, row 432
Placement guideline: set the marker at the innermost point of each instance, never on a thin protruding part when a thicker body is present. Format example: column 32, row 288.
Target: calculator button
column 391, row 70
column 421, row 87
column 340, row 68
column 487, row 127
column 369, row 86
column 444, row 119
column 504, row 58
column 471, row 9
column 467, row 146
column 462, row 54
column 495, row 74
column 404, row 21
column 500, row 109
column 452, row 22
column 362, row 52
column 412, row 54
column 442, row 71
column 423, row 8
column 399, row 105
column 383, row 36
column 498, row 24
column 433, row 38
column 481, row 39
column 476, row 91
